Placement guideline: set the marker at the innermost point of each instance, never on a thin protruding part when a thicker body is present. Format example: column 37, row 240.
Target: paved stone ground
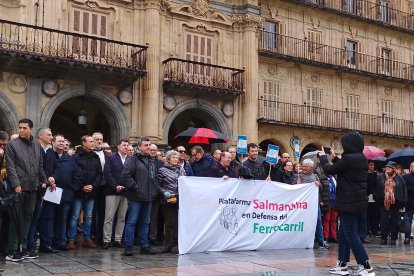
column 387, row 261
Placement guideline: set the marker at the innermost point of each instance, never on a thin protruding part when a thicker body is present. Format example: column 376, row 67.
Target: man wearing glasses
column 183, row 163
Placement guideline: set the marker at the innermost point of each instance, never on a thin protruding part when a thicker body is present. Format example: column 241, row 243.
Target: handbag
column 404, row 223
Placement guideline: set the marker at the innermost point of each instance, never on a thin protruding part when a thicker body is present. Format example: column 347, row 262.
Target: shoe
column 407, row 241
column 63, row 247
column 364, row 240
column 88, row 244
column 14, row 257
column 333, row 240
column 118, row 244
column 338, row 270
column 393, row 242
column 323, row 245
column 128, row 250
column 153, row 242
column 147, row 250
column 167, row 249
column 28, row 254
column 364, row 271
column 383, row 242
column 71, row 245
column 105, row 245
column 47, row 249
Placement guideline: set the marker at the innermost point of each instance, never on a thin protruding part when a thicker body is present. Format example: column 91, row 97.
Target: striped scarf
column 389, row 191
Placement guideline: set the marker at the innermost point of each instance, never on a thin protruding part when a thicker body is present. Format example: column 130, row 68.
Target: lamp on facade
column 82, row 115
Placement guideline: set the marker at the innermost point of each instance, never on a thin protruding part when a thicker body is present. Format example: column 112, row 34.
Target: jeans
column 348, row 239
column 43, row 217
column 410, row 212
column 329, row 221
column 389, row 217
column 362, row 223
column 142, row 211
column 62, row 212
column 319, row 233
column 87, row 218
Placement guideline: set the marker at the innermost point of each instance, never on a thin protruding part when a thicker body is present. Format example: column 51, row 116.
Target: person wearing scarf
column 391, row 197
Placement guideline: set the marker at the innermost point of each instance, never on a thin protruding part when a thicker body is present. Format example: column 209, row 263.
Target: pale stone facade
column 233, row 28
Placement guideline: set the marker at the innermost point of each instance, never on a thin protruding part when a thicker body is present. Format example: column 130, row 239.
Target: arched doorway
column 202, row 114
column 65, row 121
column 107, row 112
column 9, row 116
column 265, row 143
column 308, row 148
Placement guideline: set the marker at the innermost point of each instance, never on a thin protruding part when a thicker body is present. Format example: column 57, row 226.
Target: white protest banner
column 229, row 215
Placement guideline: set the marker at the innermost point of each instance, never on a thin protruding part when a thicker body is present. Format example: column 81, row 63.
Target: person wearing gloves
column 168, row 188
column 350, row 201
column 391, row 196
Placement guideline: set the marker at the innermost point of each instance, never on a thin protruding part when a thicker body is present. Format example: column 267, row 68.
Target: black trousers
column 98, row 214
column 4, row 231
column 389, row 221
column 373, row 218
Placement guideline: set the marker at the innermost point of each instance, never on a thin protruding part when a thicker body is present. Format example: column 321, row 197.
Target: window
column 313, row 106
column 271, row 98
column 351, row 54
column 314, row 97
column 92, row 24
column 383, row 11
column 387, row 109
column 270, row 34
column 352, row 103
column 198, row 48
column 314, row 41
column 350, row 6
column 386, row 62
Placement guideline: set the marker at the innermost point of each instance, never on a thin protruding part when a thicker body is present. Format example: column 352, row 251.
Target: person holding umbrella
column 25, row 171
column 391, row 196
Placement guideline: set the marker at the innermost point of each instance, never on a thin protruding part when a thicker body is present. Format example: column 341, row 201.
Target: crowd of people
column 106, row 195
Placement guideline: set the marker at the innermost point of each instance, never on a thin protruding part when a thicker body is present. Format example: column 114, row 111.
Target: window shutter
column 76, row 20
column 103, row 25
column 394, row 60
column 319, row 98
column 276, row 92
column 308, row 96
column 188, row 47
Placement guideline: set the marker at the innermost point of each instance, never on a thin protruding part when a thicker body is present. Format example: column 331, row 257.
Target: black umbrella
column 379, row 162
column 201, row 136
column 17, row 210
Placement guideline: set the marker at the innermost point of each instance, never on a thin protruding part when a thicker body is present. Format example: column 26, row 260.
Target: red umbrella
column 201, row 136
column 372, row 152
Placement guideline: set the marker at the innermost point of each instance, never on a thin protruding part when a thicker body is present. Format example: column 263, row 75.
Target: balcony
column 202, row 79
column 365, row 10
column 320, row 55
column 47, row 53
column 337, row 120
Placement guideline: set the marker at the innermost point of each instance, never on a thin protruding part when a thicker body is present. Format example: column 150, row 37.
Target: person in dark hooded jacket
column 202, row 162
column 91, row 167
column 350, row 201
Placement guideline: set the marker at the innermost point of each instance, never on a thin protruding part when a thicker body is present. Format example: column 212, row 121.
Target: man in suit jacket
column 115, row 196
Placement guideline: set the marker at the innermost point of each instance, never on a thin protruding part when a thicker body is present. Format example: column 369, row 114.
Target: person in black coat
column 44, row 212
column 223, row 168
column 202, row 162
column 350, row 201
column 409, row 183
column 391, row 196
column 69, row 181
column 90, row 164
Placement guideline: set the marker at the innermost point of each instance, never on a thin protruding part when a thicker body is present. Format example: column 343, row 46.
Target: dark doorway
column 307, row 149
column 65, row 121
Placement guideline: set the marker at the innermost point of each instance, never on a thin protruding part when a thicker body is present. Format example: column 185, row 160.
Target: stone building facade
column 272, row 70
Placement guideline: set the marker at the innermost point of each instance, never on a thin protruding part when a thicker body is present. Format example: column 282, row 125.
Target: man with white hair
column 98, row 216
column 307, row 176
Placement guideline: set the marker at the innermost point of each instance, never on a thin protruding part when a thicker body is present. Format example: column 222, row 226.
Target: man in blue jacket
column 44, row 212
column 69, row 181
column 202, row 162
column 116, row 201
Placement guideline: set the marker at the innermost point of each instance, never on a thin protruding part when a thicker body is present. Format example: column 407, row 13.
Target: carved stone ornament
column 247, row 20
column 199, row 102
column 353, row 84
column 337, row 146
column 91, row 4
column 10, row 3
column 200, row 7
column 17, row 84
column 388, row 91
column 292, row 141
column 315, row 78
column 272, row 70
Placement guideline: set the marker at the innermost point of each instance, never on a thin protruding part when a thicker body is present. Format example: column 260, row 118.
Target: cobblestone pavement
column 387, row 261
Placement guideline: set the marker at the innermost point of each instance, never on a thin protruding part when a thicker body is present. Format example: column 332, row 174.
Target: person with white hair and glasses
column 168, row 188
column 307, row 176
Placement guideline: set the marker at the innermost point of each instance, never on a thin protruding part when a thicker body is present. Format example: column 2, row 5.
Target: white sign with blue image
column 272, row 153
column 297, row 153
column 242, row 144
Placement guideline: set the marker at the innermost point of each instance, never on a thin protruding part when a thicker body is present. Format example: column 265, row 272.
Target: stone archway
column 209, row 113
column 9, row 115
column 118, row 119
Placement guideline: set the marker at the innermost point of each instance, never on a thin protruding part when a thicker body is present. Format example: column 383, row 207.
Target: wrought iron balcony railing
column 71, row 48
column 304, row 51
column 203, row 76
column 379, row 12
column 322, row 118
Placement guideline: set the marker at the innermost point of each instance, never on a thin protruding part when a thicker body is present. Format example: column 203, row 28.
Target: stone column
column 34, row 103
column 152, row 82
column 249, row 25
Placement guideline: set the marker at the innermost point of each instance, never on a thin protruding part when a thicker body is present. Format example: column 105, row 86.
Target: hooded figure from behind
column 351, row 169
